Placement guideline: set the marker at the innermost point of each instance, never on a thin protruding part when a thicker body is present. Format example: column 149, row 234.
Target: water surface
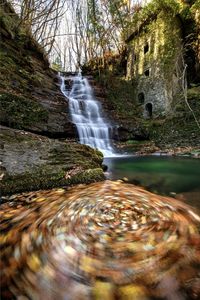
column 163, row 175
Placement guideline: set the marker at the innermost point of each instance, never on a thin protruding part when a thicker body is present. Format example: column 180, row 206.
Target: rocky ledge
column 33, row 162
column 150, row 148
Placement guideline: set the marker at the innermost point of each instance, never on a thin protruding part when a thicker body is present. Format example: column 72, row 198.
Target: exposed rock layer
column 27, row 85
column 31, row 162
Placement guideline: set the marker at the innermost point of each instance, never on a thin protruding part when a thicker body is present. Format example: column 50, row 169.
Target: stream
column 164, row 175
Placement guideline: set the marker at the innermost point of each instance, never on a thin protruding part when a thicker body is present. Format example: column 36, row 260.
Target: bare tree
column 41, row 18
column 80, row 30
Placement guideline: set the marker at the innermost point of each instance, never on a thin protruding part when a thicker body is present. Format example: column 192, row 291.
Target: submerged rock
column 107, row 240
column 31, row 162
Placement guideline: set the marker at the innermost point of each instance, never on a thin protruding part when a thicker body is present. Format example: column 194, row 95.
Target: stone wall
column 154, row 63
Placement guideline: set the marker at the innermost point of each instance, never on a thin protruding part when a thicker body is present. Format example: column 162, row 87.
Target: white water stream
column 86, row 114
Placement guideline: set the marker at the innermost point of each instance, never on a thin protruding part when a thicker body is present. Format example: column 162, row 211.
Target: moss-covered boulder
column 32, row 162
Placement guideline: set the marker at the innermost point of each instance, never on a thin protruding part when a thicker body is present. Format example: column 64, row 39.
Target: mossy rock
column 32, row 162
column 176, row 131
column 18, row 112
column 119, row 95
column 7, row 61
column 46, row 180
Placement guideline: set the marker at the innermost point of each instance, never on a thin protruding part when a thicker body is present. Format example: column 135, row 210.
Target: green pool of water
column 160, row 174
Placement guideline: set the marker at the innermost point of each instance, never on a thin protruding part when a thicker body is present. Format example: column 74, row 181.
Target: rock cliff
column 33, row 113
column 29, row 93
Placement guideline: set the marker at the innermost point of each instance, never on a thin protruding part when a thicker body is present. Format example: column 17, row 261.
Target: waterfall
column 86, row 114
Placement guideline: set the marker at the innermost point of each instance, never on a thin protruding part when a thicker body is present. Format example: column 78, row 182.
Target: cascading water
column 93, row 130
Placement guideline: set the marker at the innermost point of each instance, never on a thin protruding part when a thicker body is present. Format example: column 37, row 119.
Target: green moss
column 119, row 94
column 37, row 79
column 70, row 155
column 8, row 23
column 163, row 37
column 44, row 180
column 156, row 6
column 196, row 6
column 46, row 162
column 180, row 106
column 18, row 112
column 6, row 60
column 163, row 20
column 88, row 176
column 194, row 93
column 17, row 46
column 149, row 11
column 176, row 131
column 134, row 142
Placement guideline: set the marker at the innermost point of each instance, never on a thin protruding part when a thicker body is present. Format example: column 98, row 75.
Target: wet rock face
column 59, row 121
column 42, row 110
column 106, row 240
column 31, row 162
column 124, row 128
column 132, row 133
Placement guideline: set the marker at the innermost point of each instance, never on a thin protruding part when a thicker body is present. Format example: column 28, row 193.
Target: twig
column 184, row 87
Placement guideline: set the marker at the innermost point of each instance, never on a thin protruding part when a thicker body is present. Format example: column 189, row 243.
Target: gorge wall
column 30, row 97
column 33, row 112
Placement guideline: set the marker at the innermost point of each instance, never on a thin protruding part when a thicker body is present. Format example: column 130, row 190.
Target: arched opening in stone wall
column 149, row 110
column 146, row 48
column 146, row 73
column 141, row 98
